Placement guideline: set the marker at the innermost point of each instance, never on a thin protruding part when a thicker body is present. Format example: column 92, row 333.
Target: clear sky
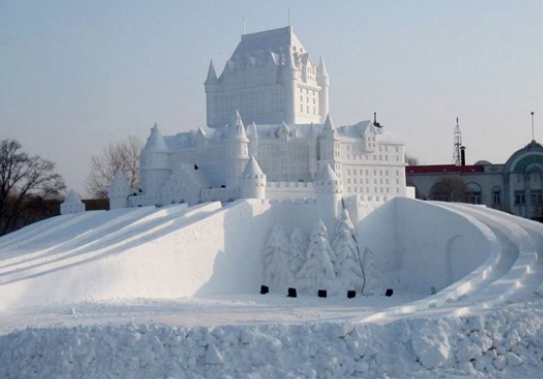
column 78, row 75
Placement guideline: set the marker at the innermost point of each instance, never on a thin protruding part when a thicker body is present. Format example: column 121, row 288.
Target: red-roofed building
column 515, row 186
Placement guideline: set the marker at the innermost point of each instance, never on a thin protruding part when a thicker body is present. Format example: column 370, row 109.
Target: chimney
column 375, row 123
column 463, row 155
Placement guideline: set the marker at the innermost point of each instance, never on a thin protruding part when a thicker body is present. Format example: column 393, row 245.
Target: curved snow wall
column 418, row 245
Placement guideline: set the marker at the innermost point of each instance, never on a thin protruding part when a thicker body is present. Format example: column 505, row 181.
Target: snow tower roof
column 252, row 168
column 278, row 41
column 326, row 175
column 155, row 142
column 73, row 198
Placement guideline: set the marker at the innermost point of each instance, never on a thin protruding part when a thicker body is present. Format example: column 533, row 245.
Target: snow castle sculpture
column 72, row 204
column 269, row 138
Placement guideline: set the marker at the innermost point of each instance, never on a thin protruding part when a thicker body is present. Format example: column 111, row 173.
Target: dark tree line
column 30, row 189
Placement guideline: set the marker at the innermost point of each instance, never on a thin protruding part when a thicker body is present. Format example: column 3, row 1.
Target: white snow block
column 213, row 355
column 431, row 349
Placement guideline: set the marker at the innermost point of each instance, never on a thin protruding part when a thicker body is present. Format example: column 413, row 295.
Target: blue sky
column 78, row 75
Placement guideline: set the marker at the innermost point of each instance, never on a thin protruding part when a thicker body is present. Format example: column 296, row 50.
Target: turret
column 237, row 130
column 323, row 80
column 155, row 165
column 290, row 75
column 329, row 145
column 211, row 86
column 237, row 151
column 253, row 181
column 118, row 192
column 329, row 191
column 72, row 204
column 329, row 131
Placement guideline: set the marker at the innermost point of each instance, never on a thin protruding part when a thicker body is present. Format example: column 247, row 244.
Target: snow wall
column 418, row 245
column 214, row 250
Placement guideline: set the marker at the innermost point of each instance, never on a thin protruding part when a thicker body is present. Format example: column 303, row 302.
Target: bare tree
column 123, row 156
column 411, row 160
column 24, row 182
column 449, row 189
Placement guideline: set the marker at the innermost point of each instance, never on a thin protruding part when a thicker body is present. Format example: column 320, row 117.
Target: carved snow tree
column 347, row 266
column 298, row 250
column 28, row 185
column 318, row 271
column 123, row 156
column 277, row 259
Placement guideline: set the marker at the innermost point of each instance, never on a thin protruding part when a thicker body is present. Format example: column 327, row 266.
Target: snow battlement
column 220, row 194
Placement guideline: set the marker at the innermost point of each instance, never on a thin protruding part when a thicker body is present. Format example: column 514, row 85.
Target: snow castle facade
column 269, row 136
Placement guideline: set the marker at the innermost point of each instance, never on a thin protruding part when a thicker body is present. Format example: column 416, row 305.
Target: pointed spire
column 329, row 129
column 238, row 121
column 252, row 131
column 237, row 131
column 72, row 204
column 155, row 142
column 322, row 72
column 327, row 175
column 252, row 168
column 211, row 74
column 72, row 198
column 328, row 123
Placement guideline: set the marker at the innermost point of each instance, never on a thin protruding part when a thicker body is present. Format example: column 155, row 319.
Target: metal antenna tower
column 457, row 155
column 533, row 127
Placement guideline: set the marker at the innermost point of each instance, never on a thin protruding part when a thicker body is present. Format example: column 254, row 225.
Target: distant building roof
column 435, row 169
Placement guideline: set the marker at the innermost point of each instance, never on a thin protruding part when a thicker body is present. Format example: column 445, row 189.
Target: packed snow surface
column 173, row 293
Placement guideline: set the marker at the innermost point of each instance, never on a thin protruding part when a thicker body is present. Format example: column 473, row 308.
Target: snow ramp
column 163, row 253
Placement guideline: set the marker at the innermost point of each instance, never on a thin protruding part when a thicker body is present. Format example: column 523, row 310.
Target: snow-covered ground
column 194, row 312
column 172, row 293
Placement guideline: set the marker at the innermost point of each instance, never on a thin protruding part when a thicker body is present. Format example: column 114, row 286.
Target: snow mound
column 503, row 343
column 479, row 258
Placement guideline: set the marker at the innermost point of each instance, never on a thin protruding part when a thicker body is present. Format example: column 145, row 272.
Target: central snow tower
column 269, row 79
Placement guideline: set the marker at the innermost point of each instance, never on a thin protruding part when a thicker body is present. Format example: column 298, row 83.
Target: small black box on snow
column 292, row 292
